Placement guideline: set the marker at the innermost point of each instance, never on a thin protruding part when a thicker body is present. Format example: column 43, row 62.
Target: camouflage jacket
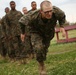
column 31, row 10
column 12, row 20
column 3, row 26
column 45, row 29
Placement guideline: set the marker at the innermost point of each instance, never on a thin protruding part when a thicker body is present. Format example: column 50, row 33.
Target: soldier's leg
column 11, row 50
column 26, row 51
column 3, row 50
column 19, row 46
column 15, row 47
column 42, row 68
column 26, row 48
column 41, row 63
column 20, row 52
column 38, row 46
column 30, row 52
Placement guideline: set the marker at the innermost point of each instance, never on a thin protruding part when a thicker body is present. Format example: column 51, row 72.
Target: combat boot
column 42, row 70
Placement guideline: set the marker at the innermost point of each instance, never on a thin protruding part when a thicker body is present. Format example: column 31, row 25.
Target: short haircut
column 46, row 3
column 24, row 8
column 12, row 2
column 33, row 2
column 6, row 8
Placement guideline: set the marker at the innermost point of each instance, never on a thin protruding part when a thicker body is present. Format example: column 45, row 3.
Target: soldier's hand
column 22, row 37
column 63, row 31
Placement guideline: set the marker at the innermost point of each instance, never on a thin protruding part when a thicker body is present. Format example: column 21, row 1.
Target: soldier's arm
column 61, row 19
column 22, row 31
column 7, row 20
column 22, row 26
column 60, row 15
column 62, row 22
column 3, row 26
column 24, row 21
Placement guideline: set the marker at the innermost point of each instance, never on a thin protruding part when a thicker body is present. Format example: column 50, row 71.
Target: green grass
column 61, row 60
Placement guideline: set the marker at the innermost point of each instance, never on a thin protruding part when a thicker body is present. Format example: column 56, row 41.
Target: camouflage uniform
column 3, row 38
column 13, row 33
column 31, row 51
column 0, row 39
column 42, row 31
column 26, row 45
column 31, row 11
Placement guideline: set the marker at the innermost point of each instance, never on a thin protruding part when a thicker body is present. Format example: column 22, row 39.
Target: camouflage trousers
column 40, row 46
column 26, row 47
column 14, row 47
column 3, row 47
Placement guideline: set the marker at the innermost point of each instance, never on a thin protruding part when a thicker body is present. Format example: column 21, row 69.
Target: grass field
column 61, row 60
